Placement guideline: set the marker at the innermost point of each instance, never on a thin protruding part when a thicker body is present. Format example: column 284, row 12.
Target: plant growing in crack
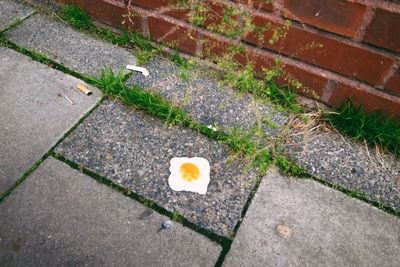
column 245, row 82
column 238, row 68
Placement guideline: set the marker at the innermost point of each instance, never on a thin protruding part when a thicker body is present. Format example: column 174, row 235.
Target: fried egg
column 189, row 174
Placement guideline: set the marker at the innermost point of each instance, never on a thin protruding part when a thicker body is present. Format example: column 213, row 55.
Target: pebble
column 167, row 224
column 284, row 231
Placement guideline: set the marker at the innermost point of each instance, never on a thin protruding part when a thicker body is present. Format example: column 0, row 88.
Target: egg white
column 177, row 183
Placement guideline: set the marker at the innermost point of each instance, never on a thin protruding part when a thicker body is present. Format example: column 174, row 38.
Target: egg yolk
column 189, row 172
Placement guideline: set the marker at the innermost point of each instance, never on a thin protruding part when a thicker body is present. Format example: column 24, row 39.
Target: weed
column 122, row 39
column 143, row 57
column 176, row 217
column 244, row 79
column 239, row 142
column 373, row 127
column 15, row 23
column 241, row 77
column 143, row 45
column 262, row 160
column 141, row 41
column 184, row 65
column 290, row 168
column 198, row 14
column 228, row 24
column 283, row 96
column 113, row 86
column 237, row 76
column 178, row 60
column 76, row 17
column 270, row 123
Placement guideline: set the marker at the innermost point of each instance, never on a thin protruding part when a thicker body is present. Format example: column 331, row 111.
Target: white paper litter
column 212, row 128
column 144, row 71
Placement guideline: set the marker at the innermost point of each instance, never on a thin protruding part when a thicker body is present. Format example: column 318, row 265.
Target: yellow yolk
column 189, row 172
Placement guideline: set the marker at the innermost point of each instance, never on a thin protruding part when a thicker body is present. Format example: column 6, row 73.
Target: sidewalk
column 83, row 178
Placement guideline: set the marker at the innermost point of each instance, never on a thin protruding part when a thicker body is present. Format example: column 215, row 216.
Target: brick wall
column 357, row 53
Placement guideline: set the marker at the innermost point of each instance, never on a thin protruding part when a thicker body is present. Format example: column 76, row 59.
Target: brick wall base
column 355, row 53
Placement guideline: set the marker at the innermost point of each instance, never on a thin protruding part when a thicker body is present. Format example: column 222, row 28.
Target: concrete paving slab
column 323, row 227
column 76, row 50
column 134, row 151
column 206, row 100
column 35, row 111
column 60, row 217
column 11, row 11
column 341, row 161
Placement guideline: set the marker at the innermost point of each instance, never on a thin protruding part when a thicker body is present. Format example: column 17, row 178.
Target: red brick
column 214, row 17
column 180, row 13
column 334, row 55
column 215, row 47
column 257, row 59
column 258, row 4
column 215, row 12
column 384, row 30
column 367, row 99
column 166, row 7
column 393, row 83
column 152, row 4
column 175, row 35
column 336, row 16
column 132, row 20
column 262, row 4
column 313, row 84
column 111, row 12
column 244, row 2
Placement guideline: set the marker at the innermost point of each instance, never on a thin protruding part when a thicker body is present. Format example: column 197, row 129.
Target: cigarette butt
column 83, row 89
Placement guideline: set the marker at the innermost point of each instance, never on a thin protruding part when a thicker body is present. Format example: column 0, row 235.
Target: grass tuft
column 244, row 79
column 76, row 17
column 141, row 41
column 290, row 168
column 240, row 143
column 122, row 39
column 374, row 128
column 113, row 86
column 283, row 96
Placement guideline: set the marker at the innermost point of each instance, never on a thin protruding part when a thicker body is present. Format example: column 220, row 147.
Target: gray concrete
column 60, row 217
column 35, row 112
column 78, row 51
column 206, row 100
column 50, row 4
column 352, row 165
column 328, row 228
column 134, row 150
column 12, row 11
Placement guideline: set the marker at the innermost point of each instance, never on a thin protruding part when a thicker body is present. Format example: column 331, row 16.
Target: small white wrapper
column 212, row 128
column 144, row 71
